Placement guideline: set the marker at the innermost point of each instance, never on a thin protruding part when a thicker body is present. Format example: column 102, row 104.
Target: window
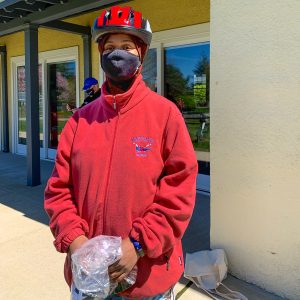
column 186, row 79
column 62, row 91
column 177, row 66
column 21, row 98
column 149, row 71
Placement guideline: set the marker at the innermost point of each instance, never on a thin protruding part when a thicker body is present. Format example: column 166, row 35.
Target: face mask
column 90, row 92
column 120, row 65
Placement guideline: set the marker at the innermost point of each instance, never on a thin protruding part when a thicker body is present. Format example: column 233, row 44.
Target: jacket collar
column 121, row 103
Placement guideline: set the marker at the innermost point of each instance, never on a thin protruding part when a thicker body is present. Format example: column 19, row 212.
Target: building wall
column 163, row 15
column 13, row 45
column 255, row 140
column 48, row 40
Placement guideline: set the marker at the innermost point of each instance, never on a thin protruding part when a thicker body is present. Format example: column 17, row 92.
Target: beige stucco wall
column 255, row 140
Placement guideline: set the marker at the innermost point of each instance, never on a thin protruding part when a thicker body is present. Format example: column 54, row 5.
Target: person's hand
column 121, row 268
column 77, row 243
column 68, row 107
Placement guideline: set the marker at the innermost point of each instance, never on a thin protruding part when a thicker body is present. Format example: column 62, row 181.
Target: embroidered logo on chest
column 142, row 145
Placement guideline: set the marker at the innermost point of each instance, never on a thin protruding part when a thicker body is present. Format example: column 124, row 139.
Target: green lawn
column 22, row 125
column 193, row 126
column 200, row 143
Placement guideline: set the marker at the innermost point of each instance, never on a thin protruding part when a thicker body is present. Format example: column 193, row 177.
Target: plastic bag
column 90, row 268
column 207, row 269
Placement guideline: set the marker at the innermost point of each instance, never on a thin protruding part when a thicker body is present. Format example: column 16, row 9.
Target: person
column 125, row 167
column 91, row 87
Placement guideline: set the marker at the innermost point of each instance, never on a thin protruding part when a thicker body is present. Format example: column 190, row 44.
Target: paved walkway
column 30, row 268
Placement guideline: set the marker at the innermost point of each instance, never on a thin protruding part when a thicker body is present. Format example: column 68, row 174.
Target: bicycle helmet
column 122, row 20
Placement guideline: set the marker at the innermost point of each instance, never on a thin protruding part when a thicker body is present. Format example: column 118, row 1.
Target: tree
column 175, row 84
column 200, row 94
column 203, row 68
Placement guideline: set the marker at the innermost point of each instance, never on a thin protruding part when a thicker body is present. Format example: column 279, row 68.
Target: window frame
column 194, row 34
column 176, row 37
column 52, row 56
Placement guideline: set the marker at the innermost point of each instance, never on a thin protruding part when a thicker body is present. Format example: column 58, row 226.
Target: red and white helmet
column 122, row 20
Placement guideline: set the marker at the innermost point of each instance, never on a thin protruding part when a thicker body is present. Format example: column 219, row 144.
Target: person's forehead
column 119, row 37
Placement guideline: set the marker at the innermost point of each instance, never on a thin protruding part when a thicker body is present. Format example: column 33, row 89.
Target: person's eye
column 127, row 47
column 109, row 48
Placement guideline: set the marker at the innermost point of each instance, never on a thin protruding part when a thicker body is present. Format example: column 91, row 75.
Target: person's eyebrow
column 128, row 41
column 112, row 41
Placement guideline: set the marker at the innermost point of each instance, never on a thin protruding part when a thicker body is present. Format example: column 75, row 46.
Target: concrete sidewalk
column 30, row 266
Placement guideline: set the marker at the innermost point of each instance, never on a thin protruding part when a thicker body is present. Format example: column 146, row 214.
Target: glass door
column 21, row 109
column 61, row 79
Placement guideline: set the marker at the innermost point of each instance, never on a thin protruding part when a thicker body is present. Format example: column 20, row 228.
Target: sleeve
column 65, row 223
column 166, row 219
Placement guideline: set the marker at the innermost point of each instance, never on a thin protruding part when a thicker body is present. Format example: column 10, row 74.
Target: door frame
column 58, row 56
column 52, row 56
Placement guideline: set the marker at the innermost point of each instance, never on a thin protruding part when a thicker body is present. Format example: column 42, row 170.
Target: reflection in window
column 62, row 90
column 21, row 95
column 150, row 70
column 187, row 85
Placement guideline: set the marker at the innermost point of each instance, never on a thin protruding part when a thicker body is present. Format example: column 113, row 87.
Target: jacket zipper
column 109, row 167
column 168, row 262
column 115, row 103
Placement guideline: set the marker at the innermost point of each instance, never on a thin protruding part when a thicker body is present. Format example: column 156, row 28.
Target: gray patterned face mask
column 120, row 65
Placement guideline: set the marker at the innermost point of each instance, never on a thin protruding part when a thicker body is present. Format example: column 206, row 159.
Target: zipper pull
column 115, row 103
column 168, row 263
column 180, row 260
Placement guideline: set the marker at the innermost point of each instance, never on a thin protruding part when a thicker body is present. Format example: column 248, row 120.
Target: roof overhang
column 15, row 15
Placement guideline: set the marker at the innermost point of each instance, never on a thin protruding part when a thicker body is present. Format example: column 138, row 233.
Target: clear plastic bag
column 90, row 268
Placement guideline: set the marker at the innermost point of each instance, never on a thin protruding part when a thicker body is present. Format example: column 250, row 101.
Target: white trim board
column 181, row 36
column 46, row 57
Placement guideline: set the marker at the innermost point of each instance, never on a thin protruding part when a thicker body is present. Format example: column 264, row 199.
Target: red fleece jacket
column 126, row 171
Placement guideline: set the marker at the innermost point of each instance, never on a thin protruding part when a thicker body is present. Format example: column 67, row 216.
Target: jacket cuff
column 62, row 243
column 136, row 235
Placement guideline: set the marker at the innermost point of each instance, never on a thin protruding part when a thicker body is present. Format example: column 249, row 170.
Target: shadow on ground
column 197, row 235
column 14, row 191
column 15, row 194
